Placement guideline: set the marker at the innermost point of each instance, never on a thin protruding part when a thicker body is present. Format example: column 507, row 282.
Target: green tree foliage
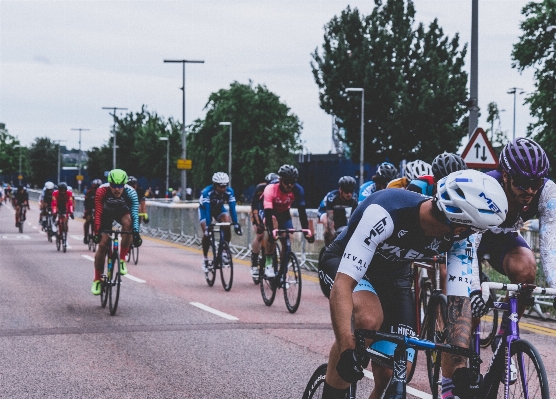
column 264, row 135
column 537, row 49
column 413, row 79
column 140, row 151
column 9, row 154
column 498, row 137
column 43, row 160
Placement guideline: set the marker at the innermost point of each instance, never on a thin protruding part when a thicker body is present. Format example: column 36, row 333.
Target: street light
column 513, row 90
column 229, row 150
column 167, row 161
column 79, row 181
column 19, row 174
column 361, row 180
column 59, row 158
column 183, row 138
column 114, row 143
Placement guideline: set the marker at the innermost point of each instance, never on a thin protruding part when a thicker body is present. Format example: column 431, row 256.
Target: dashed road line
column 213, row 311
column 88, row 257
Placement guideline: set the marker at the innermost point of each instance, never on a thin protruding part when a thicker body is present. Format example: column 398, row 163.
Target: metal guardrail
column 178, row 222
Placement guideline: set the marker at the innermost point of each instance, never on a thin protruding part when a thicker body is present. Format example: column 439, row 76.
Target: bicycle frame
column 417, row 272
column 217, row 251
column 286, row 249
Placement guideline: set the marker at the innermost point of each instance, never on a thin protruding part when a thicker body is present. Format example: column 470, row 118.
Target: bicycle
column 90, row 243
column 46, row 222
column 112, row 280
column 62, row 232
column 516, row 364
column 22, row 218
column 287, row 274
column 397, row 387
column 221, row 258
column 133, row 254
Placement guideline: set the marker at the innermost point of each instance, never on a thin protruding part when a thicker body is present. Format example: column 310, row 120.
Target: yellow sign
column 20, row 177
column 79, row 177
column 184, row 163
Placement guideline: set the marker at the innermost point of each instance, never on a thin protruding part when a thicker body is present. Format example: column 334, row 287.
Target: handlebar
column 115, row 232
column 528, row 288
column 275, row 232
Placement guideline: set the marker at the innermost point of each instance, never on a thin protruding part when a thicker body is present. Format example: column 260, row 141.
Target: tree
column 140, row 151
column 265, row 135
column 498, row 137
column 537, row 49
column 43, row 160
column 414, row 82
column 9, row 154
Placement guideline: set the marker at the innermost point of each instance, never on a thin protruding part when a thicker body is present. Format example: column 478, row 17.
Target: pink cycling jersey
column 276, row 199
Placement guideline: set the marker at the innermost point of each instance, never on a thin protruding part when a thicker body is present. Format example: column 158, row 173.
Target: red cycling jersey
column 62, row 202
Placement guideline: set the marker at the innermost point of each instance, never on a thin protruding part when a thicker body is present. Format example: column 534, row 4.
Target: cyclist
column 89, row 205
column 62, row 203
column 20, row 199
column 413, row 170
column 385, row 173
column 45, row 202
column 114, row 201
column 442, row 165
column 211, row 205
column 278, row 197
column 369, row 264
column 257, row 218
column 8, row 194
column 332, row 209
column 143, row 216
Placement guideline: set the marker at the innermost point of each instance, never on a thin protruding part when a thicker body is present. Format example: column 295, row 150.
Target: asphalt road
column 164, row 341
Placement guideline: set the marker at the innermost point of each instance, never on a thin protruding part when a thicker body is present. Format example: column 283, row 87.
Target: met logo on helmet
column 493, row 207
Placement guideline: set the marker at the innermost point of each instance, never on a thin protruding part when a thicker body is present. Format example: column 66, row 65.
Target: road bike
column 516, row 369
column 48, row 224
column 22, row 218
column 221, row 257
column 133, row 254
column 112, row 280
column 397, row 387
column 91, row 233
column 62, row 232
column 287, row 273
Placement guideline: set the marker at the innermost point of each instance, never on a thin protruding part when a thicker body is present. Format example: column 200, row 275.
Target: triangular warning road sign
column 479, row 152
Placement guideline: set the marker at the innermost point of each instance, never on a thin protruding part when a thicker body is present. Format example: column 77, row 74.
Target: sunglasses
column 524, row 183
column 117, row 185
column 222, row 185
column 288, row 182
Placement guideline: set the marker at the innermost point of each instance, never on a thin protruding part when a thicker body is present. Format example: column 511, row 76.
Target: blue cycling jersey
column 366, row 190
column 211, row 204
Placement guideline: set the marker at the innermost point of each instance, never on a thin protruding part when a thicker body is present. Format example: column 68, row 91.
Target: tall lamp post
column 80, row 130
column 59, row 158
column 513, row 90
column 167, row 161
column 361, row 152
column 229, row 150
column 19, row 174
column 114, row 143
column 183, row 137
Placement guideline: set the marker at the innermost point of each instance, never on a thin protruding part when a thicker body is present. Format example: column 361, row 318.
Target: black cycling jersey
column 333, row 202
column 20, row 197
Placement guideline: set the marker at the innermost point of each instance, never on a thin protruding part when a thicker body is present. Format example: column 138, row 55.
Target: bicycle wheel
column 531, row 381
column 64, row 241
column 489, row 322
column 267, row 284
column 226, row 267
column 292, row 283
column 314, row 387
column 210, row 275
column 58, row 241
column 106, row 284
column 135, row 253
column 434, row 329
column 128, row 257
column 115, row 283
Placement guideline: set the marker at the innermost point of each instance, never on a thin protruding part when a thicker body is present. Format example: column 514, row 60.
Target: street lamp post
column 167, row 139
column 229, row 150
column 80, row 130
column 19, row 177
column 59, row 158
column 183, row 137
column 513, row 90
column 361, row 152
column 114, row 143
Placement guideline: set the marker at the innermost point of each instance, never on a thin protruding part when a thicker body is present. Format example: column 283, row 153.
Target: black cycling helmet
column 347, row 184
column 446, row 163
column 20, row 186
column 132, row 180
column 63, row 187
column 388, row 171
column 288, row 172
column 271, row 176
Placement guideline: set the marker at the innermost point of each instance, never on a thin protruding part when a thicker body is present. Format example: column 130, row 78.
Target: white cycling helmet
column 472, row 198
column 220, row 178
column 49, row 185
column 417, row 168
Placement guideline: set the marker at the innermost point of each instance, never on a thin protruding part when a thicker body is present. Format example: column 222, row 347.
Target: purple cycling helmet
column 524, row 157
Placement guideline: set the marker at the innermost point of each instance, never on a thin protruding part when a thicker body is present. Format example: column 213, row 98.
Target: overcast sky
column 62, row 61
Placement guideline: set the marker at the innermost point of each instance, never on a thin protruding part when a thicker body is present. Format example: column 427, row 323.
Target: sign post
column 184, row 164
column 479, row 152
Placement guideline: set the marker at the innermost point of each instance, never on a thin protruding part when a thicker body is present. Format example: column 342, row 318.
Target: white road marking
column 412, row 391
column 213, row 311
column 133, row 278
column 15, row 237
column 35, row 227
column 30, row 224
column 88, row 258
column 78, row 238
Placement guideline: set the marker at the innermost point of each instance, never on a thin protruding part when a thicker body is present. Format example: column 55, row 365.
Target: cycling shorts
column 283, row 223
column 261, row 217
column 322, row 216
column 496, row 246
column 108, row 216
column 392, row 285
